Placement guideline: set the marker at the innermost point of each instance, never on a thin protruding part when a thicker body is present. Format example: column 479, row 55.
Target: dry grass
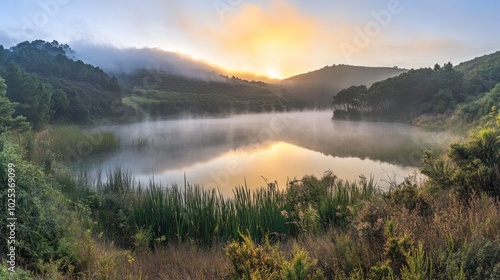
column 183, row 262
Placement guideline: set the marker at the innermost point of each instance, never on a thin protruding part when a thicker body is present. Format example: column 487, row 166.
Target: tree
column 32, row 94
column 59, row 103
column 352, row 98
column 6, row 112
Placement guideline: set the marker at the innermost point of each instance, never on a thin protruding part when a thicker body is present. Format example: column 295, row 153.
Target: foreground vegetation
column 316, row 228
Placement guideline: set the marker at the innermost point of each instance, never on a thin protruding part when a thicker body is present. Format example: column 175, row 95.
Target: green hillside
column 315, row 89
column 482, row 73
column 50, row 87
column 160, row 94
column 422, row 95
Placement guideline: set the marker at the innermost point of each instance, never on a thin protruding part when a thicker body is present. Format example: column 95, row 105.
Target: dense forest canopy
column 49, row 86
column 419, row 92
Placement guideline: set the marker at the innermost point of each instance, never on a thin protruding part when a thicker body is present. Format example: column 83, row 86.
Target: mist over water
column 227, row 152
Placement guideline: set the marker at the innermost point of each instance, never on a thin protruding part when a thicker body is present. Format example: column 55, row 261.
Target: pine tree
column 6, row 112
column 32, row 94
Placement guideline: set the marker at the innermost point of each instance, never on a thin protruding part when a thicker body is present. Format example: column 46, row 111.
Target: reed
column 191, row 213
column 71, row 143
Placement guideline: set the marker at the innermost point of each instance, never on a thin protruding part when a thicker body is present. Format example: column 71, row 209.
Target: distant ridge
column 316, row 88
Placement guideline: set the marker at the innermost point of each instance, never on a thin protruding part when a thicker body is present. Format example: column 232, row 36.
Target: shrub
column 301, row 267
column 39, row 210
column 250, row 261
column 482, row 259
column 396, row 247
column 410, row 196
column 419, row 266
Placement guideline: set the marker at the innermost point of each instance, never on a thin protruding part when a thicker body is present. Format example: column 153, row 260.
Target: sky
column 276, row 38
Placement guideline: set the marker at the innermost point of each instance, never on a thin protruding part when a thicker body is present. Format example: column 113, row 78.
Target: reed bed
column 191, row 213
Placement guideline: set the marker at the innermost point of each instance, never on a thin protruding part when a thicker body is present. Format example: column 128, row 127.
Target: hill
column 482, row 73
column 425, row 94
column 315, row 89
column 50, row 86
column 162, row 94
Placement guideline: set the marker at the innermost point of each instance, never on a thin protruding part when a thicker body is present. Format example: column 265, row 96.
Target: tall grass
column 337, row 206
column 68, row 143
column 191, row 213
column 205, row 216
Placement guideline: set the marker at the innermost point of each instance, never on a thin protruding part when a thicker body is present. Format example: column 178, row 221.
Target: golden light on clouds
column 279, row 40
column 274, row 40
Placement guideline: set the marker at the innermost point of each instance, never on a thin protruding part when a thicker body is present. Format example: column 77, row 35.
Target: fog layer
column 206, row 146
column 129, row 60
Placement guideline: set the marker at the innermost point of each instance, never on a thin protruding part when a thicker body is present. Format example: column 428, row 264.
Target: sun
column 273, row 73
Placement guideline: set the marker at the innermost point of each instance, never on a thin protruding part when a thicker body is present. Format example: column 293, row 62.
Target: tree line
column 412, row 93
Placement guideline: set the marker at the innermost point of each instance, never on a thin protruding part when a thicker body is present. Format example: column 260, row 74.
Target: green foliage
column 438, row 171
column 481, row 73
column 203, row 98
column 409, row 95
column 7, row 110
column 476, row 111
column 352, row 98
column 20, row 274
column 32, row 95
column 142, row 239
column 50, row 86
column 338, row 203
column 482, row 259
column 251, row 261
column 301, row 267
column 159, row 94
column 40, row 211
column 408, row 195
column 120, row 205
column 419, row 266
column 382, row 271
column 396, row 247
column 314, row 89
column 443, row 101
column 328, row 200
column 475, row 163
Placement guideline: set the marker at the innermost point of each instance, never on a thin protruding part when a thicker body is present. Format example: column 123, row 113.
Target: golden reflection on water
column 276, row 161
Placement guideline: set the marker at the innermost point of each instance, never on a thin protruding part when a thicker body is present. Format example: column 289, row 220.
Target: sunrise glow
column 273, row 73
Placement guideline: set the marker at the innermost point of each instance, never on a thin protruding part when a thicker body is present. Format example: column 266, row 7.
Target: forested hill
column 422, row 93
column 49, row 86
column 483, row 73
column 315, row 89
column 162, row 94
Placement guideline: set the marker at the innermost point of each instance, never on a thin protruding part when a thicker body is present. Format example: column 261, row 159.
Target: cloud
column 128, row 60
column 6, row 40
column 276, row 36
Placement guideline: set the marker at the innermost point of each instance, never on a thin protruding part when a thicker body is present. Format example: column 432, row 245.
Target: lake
column 251, row 148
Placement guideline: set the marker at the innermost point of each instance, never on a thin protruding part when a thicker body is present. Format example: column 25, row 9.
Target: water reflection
column 224, row 152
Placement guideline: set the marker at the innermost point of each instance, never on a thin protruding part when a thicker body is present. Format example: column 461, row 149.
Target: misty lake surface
column 227, row 152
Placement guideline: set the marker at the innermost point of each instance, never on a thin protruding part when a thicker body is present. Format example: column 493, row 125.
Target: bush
column 396, row 247
column 39, row 225
column 301, row 267
column 410, row 196
column 482, row 259
column 250, row 261
column 474, row 165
